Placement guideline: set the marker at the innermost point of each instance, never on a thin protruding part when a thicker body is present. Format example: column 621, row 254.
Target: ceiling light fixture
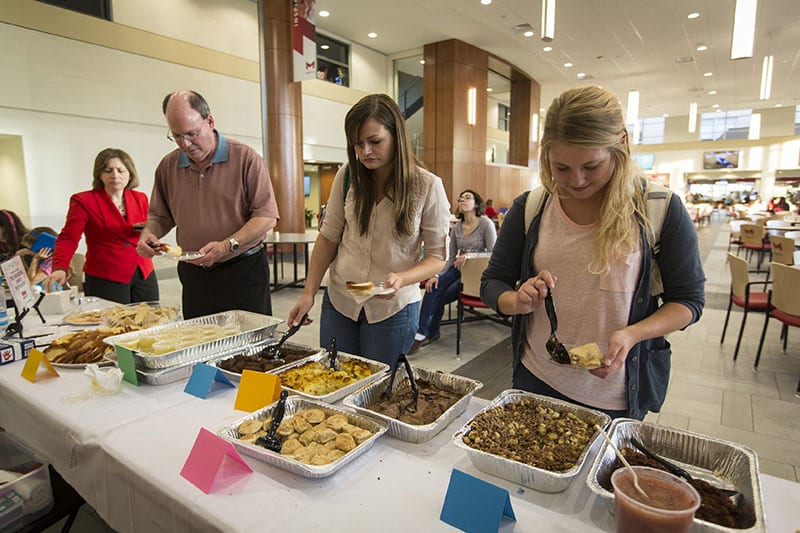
column 754, row 132
column 528, row 33
column 372, row 35
column 712, row 92
column 632, row 116
column 568, row 65
column 547, row 49
column 581, row 75
column 421, row 61
column 701, row 48
column 324, row 13
column 325, row 46
column 692, row 117
column 548, row 20
column 693, row 15
column 766, row 78
column 535, row 127
column 744, row 29
column 486, row 2
column 708, row 74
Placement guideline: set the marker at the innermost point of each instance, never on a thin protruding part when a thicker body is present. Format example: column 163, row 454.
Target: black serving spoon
column 270, row 441
column 333, row 353
column 672, row 468
column 387, row 394
column 557, row 351
column 274, row 351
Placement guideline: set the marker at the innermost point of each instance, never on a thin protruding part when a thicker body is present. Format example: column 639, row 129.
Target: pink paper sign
column 206, row 459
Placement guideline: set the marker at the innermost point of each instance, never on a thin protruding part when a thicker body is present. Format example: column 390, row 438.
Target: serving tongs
column 274, row 351
column 672, row 468
column 387, row 394
column 270, row 441
column 333, row 353
column 557, row 351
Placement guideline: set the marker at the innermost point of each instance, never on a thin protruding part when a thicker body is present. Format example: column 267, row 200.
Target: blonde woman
column 589, row 245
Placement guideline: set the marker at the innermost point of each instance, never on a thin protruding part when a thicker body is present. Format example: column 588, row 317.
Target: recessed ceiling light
column 701, row 48
column 708, row 74
column 421, row 61
column 715, row 106
column 693, row 15
column 489, row 89
column 324, row 46
column 567, row 64
column 581, row 75
column 372, row 35
column 712, row 92
column 324, row 13
column 665, row 115
column 719, row 111
column 547, row 49
column 528, row 33
column 778, row 105
column 486, row 2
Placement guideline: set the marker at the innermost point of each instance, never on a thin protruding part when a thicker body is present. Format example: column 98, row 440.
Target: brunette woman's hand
column 431, row 284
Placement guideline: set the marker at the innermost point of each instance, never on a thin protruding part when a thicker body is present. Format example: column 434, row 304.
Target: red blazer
column 110, row 238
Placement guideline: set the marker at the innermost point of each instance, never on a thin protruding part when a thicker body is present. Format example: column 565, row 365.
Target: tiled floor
column 708, row 394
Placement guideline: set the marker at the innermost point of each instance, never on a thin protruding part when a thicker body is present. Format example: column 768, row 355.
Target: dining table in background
column 276, row 240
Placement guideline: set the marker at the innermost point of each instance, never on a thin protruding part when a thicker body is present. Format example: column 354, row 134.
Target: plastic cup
column 669, row 507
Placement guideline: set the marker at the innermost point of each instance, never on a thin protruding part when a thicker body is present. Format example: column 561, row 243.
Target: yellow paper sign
column 35, row 359
column 256, row 390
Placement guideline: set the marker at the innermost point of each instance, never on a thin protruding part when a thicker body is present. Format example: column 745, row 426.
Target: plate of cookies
column 317, row 439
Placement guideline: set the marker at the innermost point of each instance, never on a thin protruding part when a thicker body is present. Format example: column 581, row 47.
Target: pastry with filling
column 363, row 288
column 586, row 356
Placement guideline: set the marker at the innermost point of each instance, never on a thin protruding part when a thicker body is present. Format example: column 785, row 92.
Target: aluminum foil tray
column 293, row 405
column 724, row 464
column 378, row 371
column 255, row 348
column 409, row 432
column 524, row 474
column 169, row 375
column 254, row 327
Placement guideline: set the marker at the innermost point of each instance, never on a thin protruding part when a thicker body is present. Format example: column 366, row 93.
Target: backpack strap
column 533, row 204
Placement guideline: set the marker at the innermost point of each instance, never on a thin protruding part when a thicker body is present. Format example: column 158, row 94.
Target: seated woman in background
column 473, row 233
column 11, row 232
column 107, row 215
column 38, row 264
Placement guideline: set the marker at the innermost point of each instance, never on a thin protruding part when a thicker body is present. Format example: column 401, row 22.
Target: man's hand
column 148, row 245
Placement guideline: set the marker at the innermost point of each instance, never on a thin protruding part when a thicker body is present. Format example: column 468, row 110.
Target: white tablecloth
column 124, row 453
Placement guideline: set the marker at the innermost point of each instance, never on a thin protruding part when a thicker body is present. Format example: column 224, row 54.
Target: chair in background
column 470, row 300
column 75, row 278
column 735, row 237
column 783, row 303
column 782, row 249
column 743, row 296
column 753, row 236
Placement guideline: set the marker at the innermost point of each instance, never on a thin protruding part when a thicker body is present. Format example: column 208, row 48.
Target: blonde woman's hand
column 619, row 344
column 530, row 295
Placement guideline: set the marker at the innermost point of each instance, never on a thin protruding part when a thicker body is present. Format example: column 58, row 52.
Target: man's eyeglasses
column 190, row 136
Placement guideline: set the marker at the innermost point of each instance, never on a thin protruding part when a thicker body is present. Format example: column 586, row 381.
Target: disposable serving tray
column 521, row 473
column 293, row 405
column 409, row 432
column 310, row 351
column 724, row 464
column 254, row 327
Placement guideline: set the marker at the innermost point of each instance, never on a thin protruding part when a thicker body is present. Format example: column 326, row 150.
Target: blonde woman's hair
column 591, row 118
column 405, row 184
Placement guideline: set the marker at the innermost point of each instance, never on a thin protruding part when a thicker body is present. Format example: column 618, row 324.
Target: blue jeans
column 525, row 380
column 382, row 341
column 430, row 316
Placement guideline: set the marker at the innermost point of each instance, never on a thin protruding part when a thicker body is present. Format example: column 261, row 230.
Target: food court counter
column 124, row 453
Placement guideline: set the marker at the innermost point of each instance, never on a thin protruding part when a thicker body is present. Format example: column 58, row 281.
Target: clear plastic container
column 30, row 495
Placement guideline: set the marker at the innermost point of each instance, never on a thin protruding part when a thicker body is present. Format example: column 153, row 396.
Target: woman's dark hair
column 101, row 161
column 11, row 231
column 480, row 205
column 404, row 184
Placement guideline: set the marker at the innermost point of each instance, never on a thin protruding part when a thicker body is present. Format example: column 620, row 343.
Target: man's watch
column 234, row 244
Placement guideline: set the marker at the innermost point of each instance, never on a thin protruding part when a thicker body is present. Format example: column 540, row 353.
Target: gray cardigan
column 648, row 362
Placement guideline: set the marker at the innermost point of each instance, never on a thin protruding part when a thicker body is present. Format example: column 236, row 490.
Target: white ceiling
column 623, row 45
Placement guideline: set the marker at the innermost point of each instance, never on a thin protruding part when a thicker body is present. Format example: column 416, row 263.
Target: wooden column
column 284, row 116
column 524, row 103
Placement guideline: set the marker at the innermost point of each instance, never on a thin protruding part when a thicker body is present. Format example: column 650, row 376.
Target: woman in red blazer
column 107, row 215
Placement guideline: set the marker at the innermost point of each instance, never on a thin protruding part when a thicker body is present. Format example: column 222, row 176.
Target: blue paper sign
column 474, row 505
column 203, row 377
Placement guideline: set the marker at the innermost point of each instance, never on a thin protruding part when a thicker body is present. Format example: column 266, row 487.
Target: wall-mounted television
column 306, row 185
column 727, row 159
column 645, row 160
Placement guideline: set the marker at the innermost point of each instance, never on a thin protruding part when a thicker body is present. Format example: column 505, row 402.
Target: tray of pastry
column 710, row 461
column 442, row 398
column 313, row 378
column 255, row 357
column 196, row 339
column 317, row 439
column 543, row 442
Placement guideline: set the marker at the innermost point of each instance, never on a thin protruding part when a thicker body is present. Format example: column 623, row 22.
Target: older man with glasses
column 218, row 193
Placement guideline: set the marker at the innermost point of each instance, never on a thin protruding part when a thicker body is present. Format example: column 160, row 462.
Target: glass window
column 650, row 130
column 725, row 125
column 96, row 8
column 333, row 60
column 503, row 114
column 797, row 120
